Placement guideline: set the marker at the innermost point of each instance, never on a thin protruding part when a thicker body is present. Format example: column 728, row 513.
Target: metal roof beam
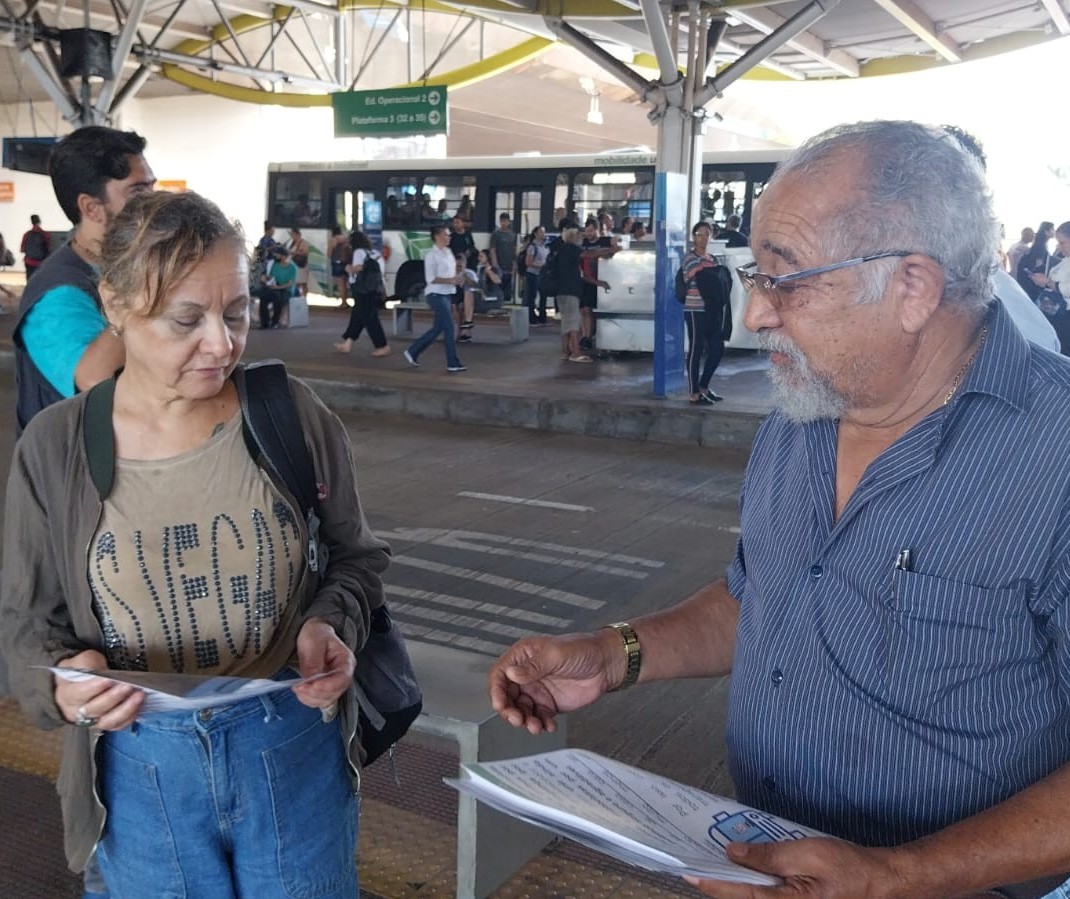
column 646, row 90
column 1058, row 16
column 788, row 72
column 765, row 48
column 767, row 22
column 908, row 14
column 55, row 91
column 664, row 52
column 149, row 55
column 121, row 54
column 309, row 6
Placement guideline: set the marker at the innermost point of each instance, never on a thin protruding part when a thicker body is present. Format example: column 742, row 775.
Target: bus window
column 448, row 195
column 522, row 205
column 619, row 193
column 561, row 205
column 401, row 209
column 723, row 193
column 298, row 202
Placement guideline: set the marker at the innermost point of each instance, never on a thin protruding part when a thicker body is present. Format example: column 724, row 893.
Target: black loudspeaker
column 85, row 53
column 28, row 154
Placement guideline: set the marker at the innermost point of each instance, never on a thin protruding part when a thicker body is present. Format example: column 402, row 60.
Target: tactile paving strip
column 407, row 831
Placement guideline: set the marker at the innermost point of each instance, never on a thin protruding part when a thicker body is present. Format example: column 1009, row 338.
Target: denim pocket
column 315, row 813
column 137, row 831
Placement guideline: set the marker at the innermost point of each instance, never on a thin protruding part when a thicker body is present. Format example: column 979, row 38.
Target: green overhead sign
column 398, row 112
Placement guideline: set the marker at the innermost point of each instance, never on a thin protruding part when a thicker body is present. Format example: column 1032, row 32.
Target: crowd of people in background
column 1040, row 263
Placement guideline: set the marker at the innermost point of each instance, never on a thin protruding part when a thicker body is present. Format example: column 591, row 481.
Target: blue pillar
column 672, row 191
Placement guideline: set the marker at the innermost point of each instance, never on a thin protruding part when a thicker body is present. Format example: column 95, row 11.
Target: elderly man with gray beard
column 896, row 619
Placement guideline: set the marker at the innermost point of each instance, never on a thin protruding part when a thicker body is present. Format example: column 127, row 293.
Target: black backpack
column 549, row 276
column 679, row 286
column 370, row 279
column 385, row 683
column 36, row 245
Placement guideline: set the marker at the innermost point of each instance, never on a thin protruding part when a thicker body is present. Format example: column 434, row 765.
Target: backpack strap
column 272, row 428
column 98, row 437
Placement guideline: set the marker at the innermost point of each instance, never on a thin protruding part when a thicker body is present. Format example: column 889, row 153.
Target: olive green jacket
column 46, row 612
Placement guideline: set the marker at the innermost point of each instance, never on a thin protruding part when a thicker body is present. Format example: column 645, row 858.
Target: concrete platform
column 519, row 385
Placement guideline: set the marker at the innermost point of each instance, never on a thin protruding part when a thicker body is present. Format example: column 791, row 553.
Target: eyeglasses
column 751, row 277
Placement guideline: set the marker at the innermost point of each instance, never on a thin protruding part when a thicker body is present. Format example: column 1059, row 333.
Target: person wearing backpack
column 366, row 285
column 36, row 246
column 703, row 315
column 534, row 259
column 191, row 515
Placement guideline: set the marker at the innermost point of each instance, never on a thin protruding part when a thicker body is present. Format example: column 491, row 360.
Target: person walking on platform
column 366, row 274
column 442, row 280
column 62, row 343
column 252, row 798
column 896, row 619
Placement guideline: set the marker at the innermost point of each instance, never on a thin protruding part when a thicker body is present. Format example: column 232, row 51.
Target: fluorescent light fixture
column 594, row 114
column 613, row 178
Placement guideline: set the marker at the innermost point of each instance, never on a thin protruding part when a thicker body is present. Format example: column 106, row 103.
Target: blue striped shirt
column 880, row 704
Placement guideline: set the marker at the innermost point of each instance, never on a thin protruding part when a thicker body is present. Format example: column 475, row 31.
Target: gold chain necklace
column 91, row 257
column 961, row 373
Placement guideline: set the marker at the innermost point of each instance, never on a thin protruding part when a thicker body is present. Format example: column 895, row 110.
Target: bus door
column 348, row 208
column 522, row 203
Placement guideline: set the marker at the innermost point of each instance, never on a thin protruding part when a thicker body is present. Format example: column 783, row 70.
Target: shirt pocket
column 951, row 649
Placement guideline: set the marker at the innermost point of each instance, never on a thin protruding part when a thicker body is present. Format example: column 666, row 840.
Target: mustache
column 775, row 342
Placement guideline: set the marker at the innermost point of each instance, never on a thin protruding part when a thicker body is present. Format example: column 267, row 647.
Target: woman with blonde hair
column 171, row 544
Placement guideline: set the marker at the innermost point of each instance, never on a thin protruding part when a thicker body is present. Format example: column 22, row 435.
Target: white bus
column 533, row 190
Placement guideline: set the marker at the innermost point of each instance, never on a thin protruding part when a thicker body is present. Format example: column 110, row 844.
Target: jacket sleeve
column 35, row 622
column 352, row 585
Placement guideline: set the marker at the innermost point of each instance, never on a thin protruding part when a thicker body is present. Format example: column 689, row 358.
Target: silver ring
column 83, row 719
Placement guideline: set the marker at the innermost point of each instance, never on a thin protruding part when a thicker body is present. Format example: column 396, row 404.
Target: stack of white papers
column 627, row 813
column 184, row 692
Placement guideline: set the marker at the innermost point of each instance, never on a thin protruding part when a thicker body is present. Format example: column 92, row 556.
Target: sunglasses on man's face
column 776, row 286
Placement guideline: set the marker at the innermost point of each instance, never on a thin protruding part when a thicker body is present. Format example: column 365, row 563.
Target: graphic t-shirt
column 200, row 583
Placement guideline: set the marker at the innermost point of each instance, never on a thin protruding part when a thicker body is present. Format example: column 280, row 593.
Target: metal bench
column 491, row 846
column 519, row 323
column 401, row 312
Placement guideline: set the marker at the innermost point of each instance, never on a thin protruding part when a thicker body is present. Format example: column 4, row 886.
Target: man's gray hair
column 920, row 191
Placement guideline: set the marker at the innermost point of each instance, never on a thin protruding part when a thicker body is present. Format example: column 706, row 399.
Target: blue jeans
column 252, row 799
column 443, row 324
column 533, row 296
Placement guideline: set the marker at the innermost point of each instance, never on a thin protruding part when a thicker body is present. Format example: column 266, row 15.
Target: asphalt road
column 498, row 533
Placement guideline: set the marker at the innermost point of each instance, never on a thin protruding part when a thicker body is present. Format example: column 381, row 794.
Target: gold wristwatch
column 633, row 653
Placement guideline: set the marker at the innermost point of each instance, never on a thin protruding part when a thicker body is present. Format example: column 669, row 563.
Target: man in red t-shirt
column 36, row 245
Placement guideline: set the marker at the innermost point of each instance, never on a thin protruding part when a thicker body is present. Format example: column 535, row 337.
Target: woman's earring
column 115, row 331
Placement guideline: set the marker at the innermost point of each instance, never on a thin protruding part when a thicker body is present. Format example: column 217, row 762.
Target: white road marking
column 450, row 619
column 520, row 501
column 562, row 596
column 452, row 638
column 474, row 605
column 439, row 535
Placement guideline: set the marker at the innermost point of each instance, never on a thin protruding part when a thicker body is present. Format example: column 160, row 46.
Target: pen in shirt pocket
column 904, row 561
